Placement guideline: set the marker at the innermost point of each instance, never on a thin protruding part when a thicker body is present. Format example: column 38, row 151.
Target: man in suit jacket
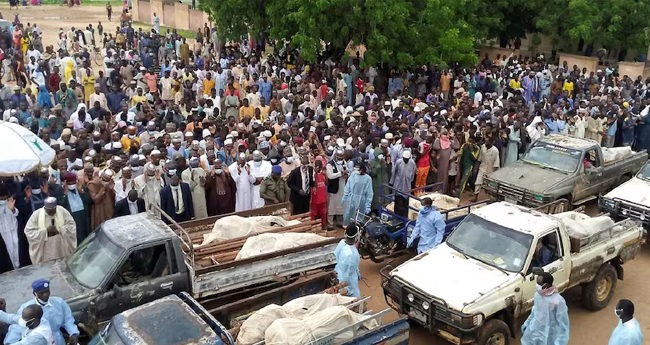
column 176, row 200
column 300, row 181
column 130, row 205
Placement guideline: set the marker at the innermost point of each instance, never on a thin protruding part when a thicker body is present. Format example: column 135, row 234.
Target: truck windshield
column 553, row 156
column 644, row 173
column 94, row 259
column 491, row 243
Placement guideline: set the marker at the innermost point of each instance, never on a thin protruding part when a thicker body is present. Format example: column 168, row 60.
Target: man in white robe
column 9, row 230
column 240, row 172
column 51, row 233
column 259, row 169
column 195, row 178
column 124, row 184
column 148, row 186
column 489, row 158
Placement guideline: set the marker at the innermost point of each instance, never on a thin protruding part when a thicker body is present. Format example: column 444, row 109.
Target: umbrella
column 22, row 150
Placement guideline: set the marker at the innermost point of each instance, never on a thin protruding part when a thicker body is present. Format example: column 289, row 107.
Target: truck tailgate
column 264, row 268
column 394, row 333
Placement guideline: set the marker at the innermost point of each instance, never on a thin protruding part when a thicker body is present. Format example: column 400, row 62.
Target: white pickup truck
column 631, row 199
column 478, row 285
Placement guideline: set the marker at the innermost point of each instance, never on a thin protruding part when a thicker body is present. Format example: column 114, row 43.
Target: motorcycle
column 380, row 239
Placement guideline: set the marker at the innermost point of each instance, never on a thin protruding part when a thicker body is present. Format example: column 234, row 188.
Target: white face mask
column 290, row 160
column 340, row 162
column 72, row 187
column 258, row 164
column 174, row 187
column 131, row 136
column 23, row 323
column 538, row 287
column 3, row 203
column 380, row 157
column 36, row 191
column 218, row 171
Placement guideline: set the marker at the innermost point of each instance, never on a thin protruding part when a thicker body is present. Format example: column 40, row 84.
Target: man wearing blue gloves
column 55, row 311
column 430, row 227
column 548, row 323
column 357, row 194
column 628, row 331
column 347, row 261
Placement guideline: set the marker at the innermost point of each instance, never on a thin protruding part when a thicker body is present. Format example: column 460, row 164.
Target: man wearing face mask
column 124, row 184
column 240, row 172
column 150, row 132
column 148, row 185
column 357, row 194
column 429, row 228
column 102, row 192
column 56, row 314
column 628, row 330
column 220, row 189
column 130, row 139
column 401, row 178
column 76, row 199
column 380, row 174
column 131, row 205
column 274, row 189
column 300, row 181
column 259, row 169
column 176, row 200
column 38, row 331
column 337, row 173
column 195, row 178
column 548, row 322
column 51, row 232
column 289, row 163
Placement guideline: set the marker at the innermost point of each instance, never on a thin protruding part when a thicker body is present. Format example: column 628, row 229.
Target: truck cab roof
column 569, row 142
column 168, row 320
column 131, row 231
column 516, row 217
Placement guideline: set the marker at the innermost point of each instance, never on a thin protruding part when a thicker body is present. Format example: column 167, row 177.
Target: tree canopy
column 401, row 33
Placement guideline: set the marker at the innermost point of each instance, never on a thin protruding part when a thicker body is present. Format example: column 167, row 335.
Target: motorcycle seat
column 395, row 225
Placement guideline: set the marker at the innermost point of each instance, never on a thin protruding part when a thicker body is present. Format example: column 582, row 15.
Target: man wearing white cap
column 401, row 178
column 51, row 233
column 241, row 173
column 337, row 173
column 259, row 169
column 151, row 131
column 102, row 191
column 149, row 184
column 195, row 178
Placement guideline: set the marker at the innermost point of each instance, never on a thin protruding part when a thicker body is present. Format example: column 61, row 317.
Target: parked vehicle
column 479, row 285
column 386, row 236
column 132, row 260
column 631, row 199
column 182, row 320
column 561, row 167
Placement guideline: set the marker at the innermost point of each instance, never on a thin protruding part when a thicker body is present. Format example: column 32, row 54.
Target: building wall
column 176, row 15
column 169, row 15
column 591, row 63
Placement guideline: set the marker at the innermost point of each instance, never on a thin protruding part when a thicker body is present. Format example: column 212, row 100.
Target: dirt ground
column 586, row 327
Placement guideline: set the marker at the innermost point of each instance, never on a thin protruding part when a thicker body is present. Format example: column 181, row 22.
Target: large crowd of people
column 211, row 127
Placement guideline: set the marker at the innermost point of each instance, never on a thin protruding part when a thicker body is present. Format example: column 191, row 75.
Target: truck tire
column 494, row 332
column 597, row 293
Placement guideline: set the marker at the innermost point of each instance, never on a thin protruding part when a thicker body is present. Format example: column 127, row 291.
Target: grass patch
column 163, row 29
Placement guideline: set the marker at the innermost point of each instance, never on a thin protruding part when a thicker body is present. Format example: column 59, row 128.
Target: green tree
column 398, row 33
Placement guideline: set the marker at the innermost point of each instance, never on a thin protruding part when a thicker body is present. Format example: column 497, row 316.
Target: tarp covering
column 271, row 242
column 302, row 331
column 252, row 330
column 441, row 201
column 580, row 225
column 230, row 227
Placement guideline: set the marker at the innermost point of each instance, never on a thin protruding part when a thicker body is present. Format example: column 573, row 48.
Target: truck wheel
column 597, row 293
column 494, row 332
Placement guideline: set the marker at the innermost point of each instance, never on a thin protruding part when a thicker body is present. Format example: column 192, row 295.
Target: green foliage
column 401, row 33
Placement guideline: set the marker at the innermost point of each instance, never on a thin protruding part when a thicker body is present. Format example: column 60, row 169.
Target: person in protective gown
column 347, row 261
column 548, row 323
column 628, row 330
column 357, row 194
column 429, row 227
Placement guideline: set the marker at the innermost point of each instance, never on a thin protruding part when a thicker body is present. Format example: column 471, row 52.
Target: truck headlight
column 425, row 305
column 471, row 321
column 624, row 212
column 410, row 297
column 642, row 217
column 477, row 319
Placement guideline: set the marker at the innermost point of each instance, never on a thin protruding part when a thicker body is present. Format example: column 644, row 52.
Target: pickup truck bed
column 216, row 271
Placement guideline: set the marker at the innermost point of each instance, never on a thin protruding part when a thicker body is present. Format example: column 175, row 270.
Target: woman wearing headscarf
column 467, row 158
column 444, row 146
column 44, row 100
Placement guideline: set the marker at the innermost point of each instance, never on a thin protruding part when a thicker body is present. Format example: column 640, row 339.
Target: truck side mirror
column 538, row 270
column 117, row 291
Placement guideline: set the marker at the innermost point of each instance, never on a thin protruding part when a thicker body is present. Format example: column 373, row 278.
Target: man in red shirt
column 319, row 194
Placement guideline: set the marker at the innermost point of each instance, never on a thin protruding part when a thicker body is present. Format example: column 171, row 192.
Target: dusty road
column 593, row 328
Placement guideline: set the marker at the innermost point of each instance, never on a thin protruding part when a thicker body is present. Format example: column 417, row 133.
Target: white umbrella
column 22, row 150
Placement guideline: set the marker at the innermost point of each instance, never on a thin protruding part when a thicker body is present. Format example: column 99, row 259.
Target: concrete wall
column 171, row 14
column 631, row 69
column 591, row 63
